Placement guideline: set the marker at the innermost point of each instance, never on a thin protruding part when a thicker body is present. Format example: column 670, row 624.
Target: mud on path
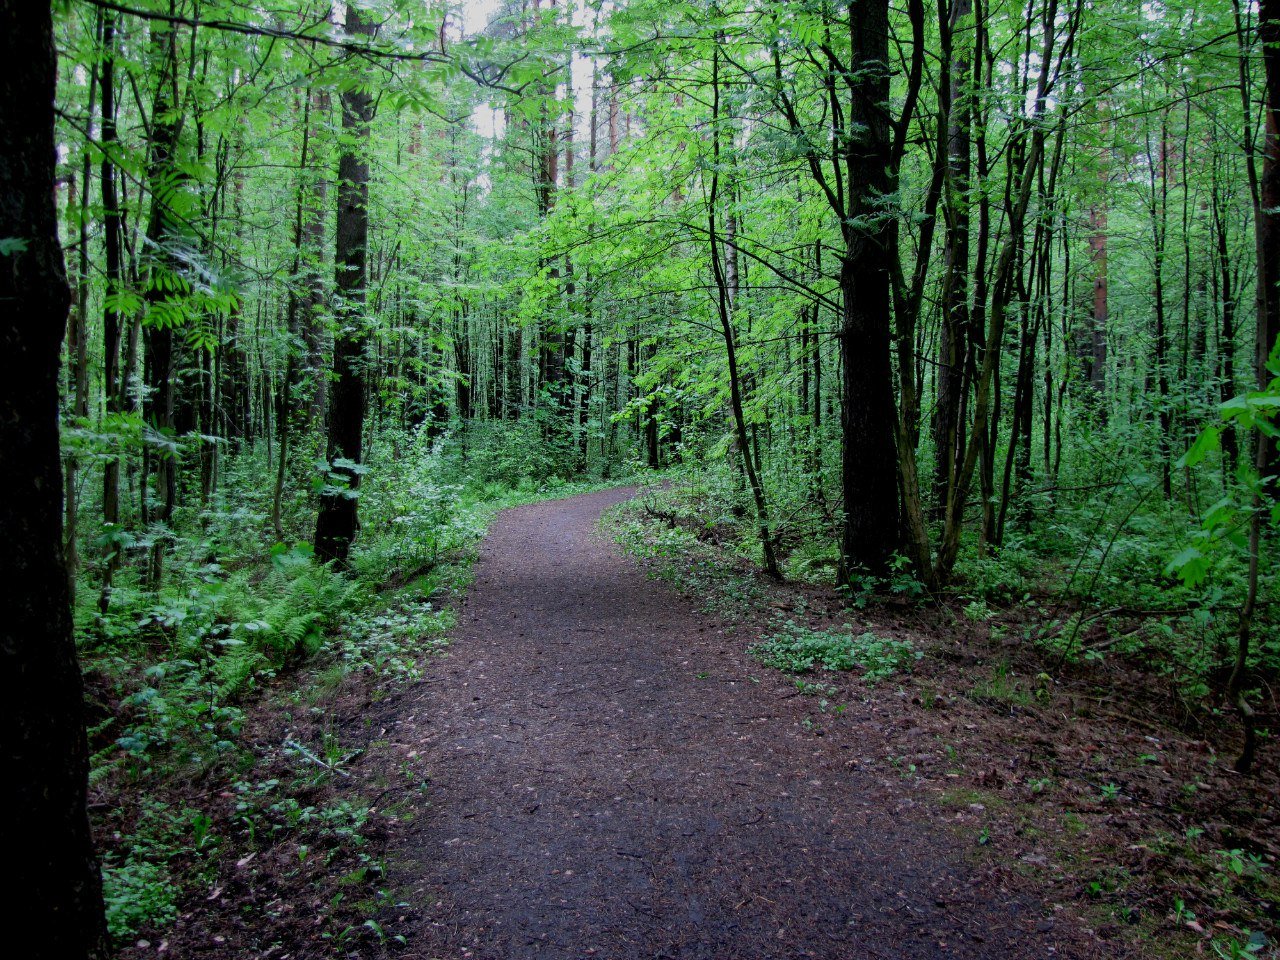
column 608, row 780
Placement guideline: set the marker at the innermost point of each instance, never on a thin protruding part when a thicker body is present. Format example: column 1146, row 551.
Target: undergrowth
column 799, row 649
column 174, row 673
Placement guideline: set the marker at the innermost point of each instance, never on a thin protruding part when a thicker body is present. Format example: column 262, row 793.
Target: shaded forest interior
column 961, row 306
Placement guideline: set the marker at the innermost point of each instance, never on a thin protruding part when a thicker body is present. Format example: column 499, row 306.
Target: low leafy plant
column 799, row 649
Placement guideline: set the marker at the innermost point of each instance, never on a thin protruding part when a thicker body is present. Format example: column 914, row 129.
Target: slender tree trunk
column 1227, row 331
column 954, row 341
column 113, row 384
column 313, row 237
column 1267, row 216
column 726, row 295
column 294, row 343
column 1265, row 188
column 980, row 442
column 78, row 343
column 337, row 521
column 1159, row 236
column 1098, row 240
column 165, row 284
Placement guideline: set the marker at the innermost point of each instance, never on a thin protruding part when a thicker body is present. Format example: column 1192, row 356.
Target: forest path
column 608, row 780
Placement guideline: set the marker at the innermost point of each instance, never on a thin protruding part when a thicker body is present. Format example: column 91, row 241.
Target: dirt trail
column 608, row 780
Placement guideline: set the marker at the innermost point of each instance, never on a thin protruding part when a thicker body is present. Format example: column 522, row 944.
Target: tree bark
column 44, row 827
column 1098, row 240
column 953, row 342
column 338, row 520
column 1268, row 223
column 868, row 451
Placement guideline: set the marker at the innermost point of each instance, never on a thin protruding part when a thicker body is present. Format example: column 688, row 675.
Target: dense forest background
column 970, row 301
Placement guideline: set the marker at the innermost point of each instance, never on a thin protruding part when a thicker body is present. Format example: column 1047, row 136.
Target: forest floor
column 611, row 775
column 597, row 767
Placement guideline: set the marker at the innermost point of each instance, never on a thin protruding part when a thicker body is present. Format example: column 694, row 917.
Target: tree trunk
column 1268, row 224
column 868, row 452
column 953, row 342
column 724, row 270
column 164, row 283
column 1098, row 238
column 337, row 521
column 313, row 225
column 1227, row 332
column 78, row 345
column 113, row 384
column 43, row 748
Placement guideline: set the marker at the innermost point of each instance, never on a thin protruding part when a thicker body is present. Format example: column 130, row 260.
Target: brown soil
column 612, row 776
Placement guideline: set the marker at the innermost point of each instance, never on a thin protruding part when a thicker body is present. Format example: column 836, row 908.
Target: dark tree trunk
column 337, row 522
column 78, row 344
column 869, row 453
column 953, row 343
column 1159, row 236
column 313, row 226
column 1268, row 221
column 45, row 829
column 1098, row 239
column 113, row 385
column 1227, row 332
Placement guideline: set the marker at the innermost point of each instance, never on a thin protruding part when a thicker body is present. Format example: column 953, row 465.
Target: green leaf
column 1190, row 565
column 1210, row 439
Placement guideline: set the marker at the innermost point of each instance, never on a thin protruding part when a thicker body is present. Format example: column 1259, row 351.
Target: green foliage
column 515, row 453
column 414, row 518
column 138, row 886
column 1223, row 535
column 799, row 649
column 1000, row 689
column 863, row 588
column 137, row 892
column 999, row 577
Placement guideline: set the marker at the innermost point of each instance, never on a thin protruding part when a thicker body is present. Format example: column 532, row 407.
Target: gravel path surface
column 612, row 777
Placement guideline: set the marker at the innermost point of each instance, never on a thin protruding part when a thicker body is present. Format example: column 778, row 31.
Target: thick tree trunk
column 337, row 521
column 869, row 459
column 44, row 829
